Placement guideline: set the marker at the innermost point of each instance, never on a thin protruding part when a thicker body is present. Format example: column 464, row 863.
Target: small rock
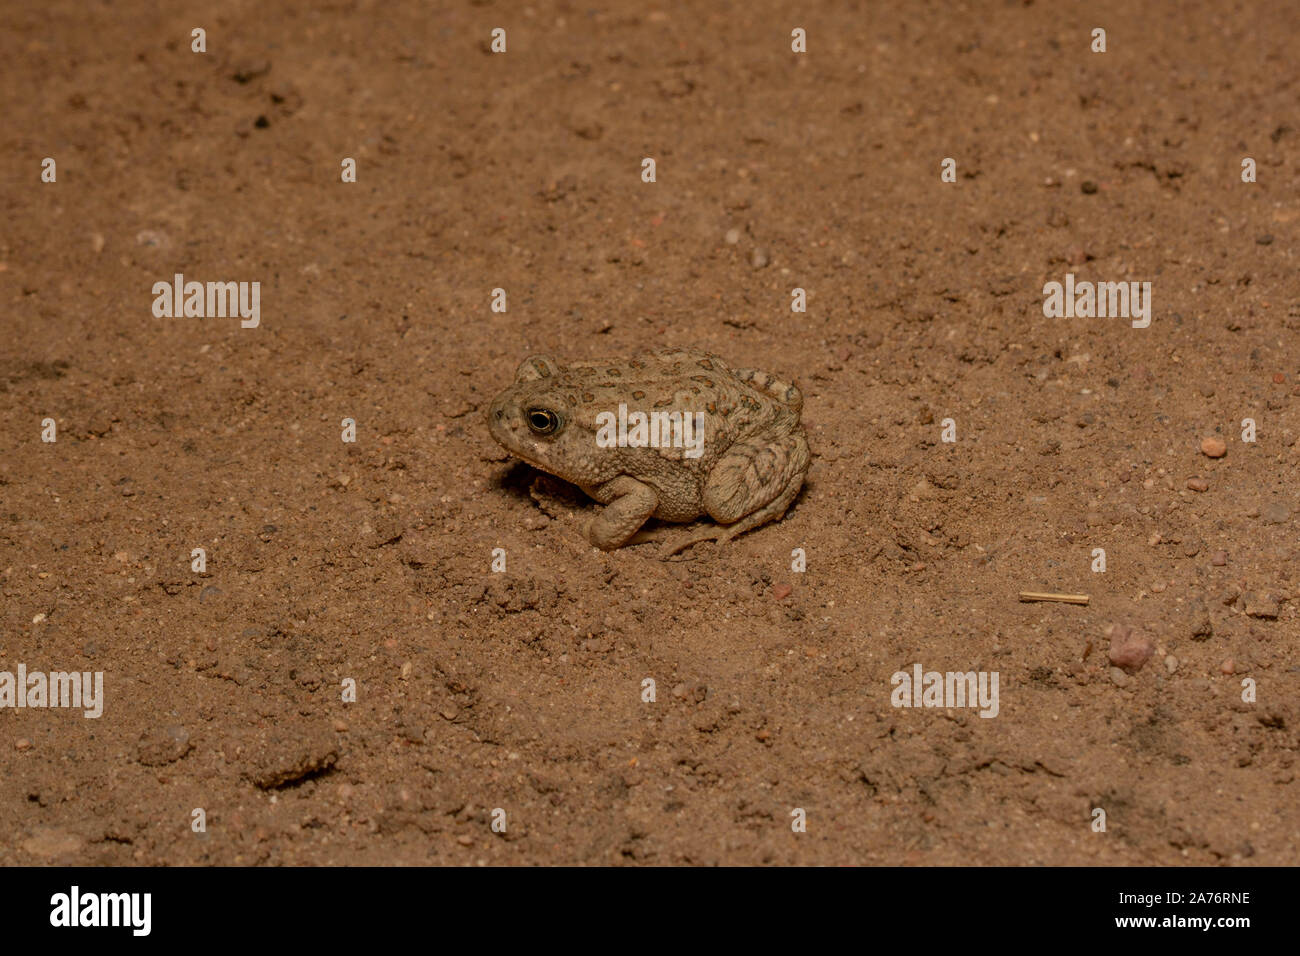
column 22, row 743
column 1261, row 605
column 287, row 751
column 781, row 591
column 1199, row 623
column 1219, row 558
column 1213, row 447
column 1087, row 187
column 465, row 840
column 1227, row 667
column 449, row 711
column 250, row 70
column 680, row 691
column 1119, row 678
column 1171, row 663
column 1128, row 651
column 159, row 746
column 1198, row 484
column 758, row 258
column 732, row 237
column 1275, row 512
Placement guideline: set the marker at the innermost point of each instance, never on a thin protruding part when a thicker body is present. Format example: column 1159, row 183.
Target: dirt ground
column 370, row 561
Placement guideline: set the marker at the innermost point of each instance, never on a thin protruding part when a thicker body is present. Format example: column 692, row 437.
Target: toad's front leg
column 631, row 502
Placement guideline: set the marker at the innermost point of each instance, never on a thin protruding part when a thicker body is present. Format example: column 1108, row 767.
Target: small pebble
column 680, row 691
column 1127, row 649
column 22, row 743
column 1213, row 447
column 1219, row 558
column 1171, row 663
column 340, row 726
column 1227, row 666
column 732, row 237
column 1262, row 606
column 1119, row 678
column 1198, row 484
column 449, row 711
column 465, row 840
column 781, row 591
column 1087, row 187
column 758, row 258
column 1275, row 512
column 1279, row 378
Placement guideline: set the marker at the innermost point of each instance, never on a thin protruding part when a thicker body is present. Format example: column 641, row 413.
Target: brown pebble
column 1227, row 666
column 1275, row 512
column 1279, row 378
column 449, row 711
column 763, row 734
column 1128, row 650
column 465, row 840
column 22, row 743
column 341, row 726
column 1219, row 558
column 1119, row 678
column 1264, row 606
column 781, row 591
column 1213, row 447
column 1198, row 484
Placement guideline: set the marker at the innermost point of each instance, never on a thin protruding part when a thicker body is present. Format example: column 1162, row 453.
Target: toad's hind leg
column 752, row 484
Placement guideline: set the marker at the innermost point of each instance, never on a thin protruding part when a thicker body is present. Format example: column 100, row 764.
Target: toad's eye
column 543, row 421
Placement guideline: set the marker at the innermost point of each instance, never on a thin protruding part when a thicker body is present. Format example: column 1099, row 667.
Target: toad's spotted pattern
column 754, row 457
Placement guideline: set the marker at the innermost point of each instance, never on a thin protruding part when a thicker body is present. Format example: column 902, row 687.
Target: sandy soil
column 371, row 561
